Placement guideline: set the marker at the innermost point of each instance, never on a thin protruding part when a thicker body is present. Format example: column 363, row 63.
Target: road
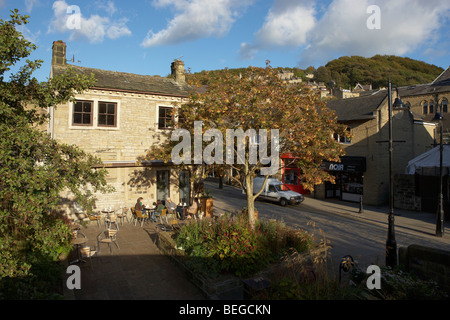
column 361, row 235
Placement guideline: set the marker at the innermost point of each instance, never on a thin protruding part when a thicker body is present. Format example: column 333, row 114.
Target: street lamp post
column 440, row 212
column 391, row 243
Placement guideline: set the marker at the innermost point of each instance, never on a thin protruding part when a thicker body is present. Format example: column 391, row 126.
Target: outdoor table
column 107, row 212
column 77, row 242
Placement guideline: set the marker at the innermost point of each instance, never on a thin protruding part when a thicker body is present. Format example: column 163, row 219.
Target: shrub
column 398, row 284
column 230, row 245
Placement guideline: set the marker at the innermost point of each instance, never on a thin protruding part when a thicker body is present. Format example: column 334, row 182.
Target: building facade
column 364, row 171
column 425, row 100
column 118, row 120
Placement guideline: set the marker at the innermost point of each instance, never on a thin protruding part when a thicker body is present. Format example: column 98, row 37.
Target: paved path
column 139, row 271
column 136, row 271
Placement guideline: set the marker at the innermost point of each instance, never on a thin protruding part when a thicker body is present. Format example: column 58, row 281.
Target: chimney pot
column 59, row 53
column 177, row 68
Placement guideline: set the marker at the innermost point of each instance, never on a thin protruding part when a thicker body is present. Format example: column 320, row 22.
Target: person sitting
column 159, row 208
column 173, row 208
column 192, row 210
column 154, row 213
column 139, row 206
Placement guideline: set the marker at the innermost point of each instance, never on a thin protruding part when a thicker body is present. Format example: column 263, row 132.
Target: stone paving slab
column 135, row 271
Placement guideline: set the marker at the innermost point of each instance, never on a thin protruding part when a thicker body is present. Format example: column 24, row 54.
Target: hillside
column 346, row 72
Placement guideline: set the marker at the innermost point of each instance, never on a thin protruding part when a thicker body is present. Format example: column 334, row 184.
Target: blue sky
column 145, row 36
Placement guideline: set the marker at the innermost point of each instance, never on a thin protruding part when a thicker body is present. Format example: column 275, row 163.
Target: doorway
column 162, row 185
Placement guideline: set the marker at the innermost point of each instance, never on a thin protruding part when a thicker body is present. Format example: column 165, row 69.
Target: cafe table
column 77, row 243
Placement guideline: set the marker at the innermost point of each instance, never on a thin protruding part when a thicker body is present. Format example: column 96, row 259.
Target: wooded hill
column 346, row 72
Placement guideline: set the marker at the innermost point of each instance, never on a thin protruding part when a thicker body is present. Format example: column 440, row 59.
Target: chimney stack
column 177, row 68
column 59, row 53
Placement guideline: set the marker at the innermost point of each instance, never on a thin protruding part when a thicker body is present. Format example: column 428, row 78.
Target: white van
column 273, row 191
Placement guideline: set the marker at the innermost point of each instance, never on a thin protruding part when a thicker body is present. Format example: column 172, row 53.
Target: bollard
column 361, row 209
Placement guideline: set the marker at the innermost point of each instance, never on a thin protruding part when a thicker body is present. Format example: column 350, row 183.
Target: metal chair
column 88, row 252
column 164, row 216
column 140, row 217
column 108, row 236
column 95, row 217
column 123, row 215
column 110, row 219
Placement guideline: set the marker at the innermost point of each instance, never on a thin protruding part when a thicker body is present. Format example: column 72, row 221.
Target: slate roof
column 359, row 108
column 364, row 106
column 439, row 85
column 122, row 81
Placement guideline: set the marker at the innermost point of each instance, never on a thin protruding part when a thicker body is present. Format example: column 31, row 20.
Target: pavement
column 134, row 271
column 139, row 271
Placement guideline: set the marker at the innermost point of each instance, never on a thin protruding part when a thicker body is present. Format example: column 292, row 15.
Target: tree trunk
column 250, row 200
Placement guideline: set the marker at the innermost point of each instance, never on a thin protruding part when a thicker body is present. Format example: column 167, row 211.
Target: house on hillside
column 364, row 170
column 118, row 119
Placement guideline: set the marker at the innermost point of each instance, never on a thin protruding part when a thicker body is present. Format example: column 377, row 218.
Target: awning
column 428, row 163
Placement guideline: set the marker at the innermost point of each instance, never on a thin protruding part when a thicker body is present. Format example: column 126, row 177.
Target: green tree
column 34, row 169
column 257, row 99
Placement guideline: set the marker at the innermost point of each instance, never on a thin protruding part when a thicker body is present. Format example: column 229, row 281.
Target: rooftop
column 358, row 108
column 130, row 82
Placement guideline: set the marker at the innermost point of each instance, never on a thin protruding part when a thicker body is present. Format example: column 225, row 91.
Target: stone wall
column 427, row 263
column 405, row 193
column 135, row 132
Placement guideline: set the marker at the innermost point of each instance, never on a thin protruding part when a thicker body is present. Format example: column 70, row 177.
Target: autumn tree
column 256, row 99
column 34, row 169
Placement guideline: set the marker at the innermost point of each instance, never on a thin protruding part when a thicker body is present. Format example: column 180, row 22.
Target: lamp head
column 438, row 117
column 398, row 104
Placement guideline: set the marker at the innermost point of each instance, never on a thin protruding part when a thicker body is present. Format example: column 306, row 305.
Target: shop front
column 349, row 178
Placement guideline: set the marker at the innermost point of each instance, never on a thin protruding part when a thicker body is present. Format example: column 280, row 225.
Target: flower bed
column 230, row 245
column 219, row 254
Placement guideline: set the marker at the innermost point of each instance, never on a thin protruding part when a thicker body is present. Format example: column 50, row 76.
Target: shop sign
column 336, row 167
column 348, row 164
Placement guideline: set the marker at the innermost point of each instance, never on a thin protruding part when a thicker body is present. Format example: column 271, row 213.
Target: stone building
column 118, row 119
column 364, row 170
column 425, row 100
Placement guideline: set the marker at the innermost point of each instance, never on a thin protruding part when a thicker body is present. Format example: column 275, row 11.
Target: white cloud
column 286, row 25
column 196, row 19
column 404, row 26
column 95, row 28
column 342, row 29
column 29, row 4
column 108, row 6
